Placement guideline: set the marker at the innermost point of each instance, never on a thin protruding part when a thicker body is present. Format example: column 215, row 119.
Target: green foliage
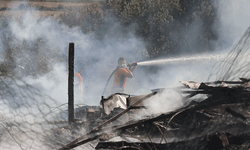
column 88, row 18
column 157, row 20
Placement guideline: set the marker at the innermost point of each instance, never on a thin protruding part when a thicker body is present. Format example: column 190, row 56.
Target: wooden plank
column 71, row 84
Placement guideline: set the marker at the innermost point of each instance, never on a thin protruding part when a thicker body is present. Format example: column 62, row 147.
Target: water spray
column 168, row 61
column 181, row 59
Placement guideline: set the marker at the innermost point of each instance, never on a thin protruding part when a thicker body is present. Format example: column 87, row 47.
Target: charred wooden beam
column 128, row 145
column 235, row 114
column 227, row 82
column 224, row 139
column 71, row 83
column 209, row 141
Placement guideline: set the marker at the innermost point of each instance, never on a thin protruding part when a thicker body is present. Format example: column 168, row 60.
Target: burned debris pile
column 214, row 115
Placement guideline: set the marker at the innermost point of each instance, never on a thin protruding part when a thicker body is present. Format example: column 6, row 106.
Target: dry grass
column 56, row 4
column 15, row 4
column 18, row 13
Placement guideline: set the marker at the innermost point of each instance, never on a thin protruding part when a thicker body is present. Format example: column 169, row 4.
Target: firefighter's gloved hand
column 129, row 65
column 134, row 64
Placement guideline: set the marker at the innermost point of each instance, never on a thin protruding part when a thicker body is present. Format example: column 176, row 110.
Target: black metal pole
column 71, row 83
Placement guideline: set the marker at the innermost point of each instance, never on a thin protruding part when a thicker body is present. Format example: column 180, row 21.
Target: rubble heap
column 214, row 115
column 221, row 120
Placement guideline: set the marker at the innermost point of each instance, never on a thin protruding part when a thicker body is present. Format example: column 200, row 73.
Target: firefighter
column 79, row 79
column 121, row 75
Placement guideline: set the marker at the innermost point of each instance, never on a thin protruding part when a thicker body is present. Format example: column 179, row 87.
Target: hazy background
column 186, row 37
column 43, row 44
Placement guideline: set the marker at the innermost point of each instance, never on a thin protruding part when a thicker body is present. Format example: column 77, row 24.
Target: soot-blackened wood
column 71, row 84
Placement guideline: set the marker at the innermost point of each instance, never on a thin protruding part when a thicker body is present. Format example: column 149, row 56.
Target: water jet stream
column 181, row 59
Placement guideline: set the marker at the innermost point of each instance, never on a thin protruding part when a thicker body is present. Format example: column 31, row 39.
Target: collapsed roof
column 220, row 117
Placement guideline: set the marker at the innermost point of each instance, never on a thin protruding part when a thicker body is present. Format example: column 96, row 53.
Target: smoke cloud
column 231, row 22
column 100, row 56
column 48, row 39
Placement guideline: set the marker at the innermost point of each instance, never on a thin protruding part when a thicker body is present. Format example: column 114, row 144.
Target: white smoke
column 101, row 56
column 166, row 101
column 232, row 21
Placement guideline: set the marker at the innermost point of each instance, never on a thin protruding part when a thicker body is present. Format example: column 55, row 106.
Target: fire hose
column 129, row 65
